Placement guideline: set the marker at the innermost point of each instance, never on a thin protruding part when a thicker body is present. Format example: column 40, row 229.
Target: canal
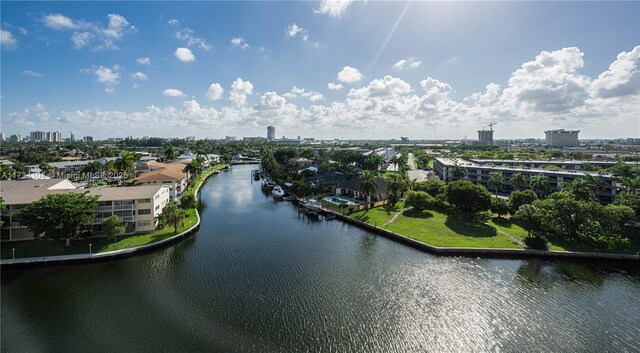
column 260, row 278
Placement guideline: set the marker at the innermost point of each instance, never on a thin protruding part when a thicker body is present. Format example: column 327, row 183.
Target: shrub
column 535, row 242
column 419, row 200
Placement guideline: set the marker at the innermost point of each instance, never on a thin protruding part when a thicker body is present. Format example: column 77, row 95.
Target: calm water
column 259, row 278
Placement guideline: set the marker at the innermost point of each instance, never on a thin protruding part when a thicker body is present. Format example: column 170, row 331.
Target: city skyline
column 352, row 70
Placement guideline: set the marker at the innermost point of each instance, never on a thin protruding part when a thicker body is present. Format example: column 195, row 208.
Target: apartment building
column 171, row 175
column 480, row 174
column 138, row 206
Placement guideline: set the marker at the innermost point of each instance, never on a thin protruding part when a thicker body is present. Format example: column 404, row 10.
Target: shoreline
column 109, row 255
column 485, row 252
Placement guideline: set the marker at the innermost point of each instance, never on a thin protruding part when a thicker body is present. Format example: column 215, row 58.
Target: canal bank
column 258, row 278
column 121, row 253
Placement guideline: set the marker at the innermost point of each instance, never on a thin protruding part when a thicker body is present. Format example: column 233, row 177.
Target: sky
column 330, row 69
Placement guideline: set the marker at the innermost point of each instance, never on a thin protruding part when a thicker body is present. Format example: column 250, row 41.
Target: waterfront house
column 350, row 187
column 168, row 174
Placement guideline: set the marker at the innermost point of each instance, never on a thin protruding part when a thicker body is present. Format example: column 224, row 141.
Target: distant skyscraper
column 562, row 138
column 72, row 137
column 271, row 132
column 37, row 136
column 1, row 136
column 88, row 139
column 15, row 138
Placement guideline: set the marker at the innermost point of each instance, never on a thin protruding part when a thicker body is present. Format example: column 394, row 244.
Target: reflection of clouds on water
column 236, row 195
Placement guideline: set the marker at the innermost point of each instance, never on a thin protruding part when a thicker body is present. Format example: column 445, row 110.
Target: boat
column 289, row 198
column 312, row 205
column 277, row 191
column 330, row 217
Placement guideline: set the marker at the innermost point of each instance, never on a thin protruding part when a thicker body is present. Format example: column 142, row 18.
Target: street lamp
column 89, row 248
column 14, row 253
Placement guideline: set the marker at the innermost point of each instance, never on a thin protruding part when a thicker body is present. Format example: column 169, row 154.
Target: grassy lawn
column 41, row 247
column 379, row 215
column 439, row 228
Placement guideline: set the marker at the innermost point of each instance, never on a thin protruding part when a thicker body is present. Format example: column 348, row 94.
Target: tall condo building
column 271, row 132
column 562, row 138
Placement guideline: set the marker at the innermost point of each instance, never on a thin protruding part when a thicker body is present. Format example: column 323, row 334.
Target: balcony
column 103, row 208
column 122, row 207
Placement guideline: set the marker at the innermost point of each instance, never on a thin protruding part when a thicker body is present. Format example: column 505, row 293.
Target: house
column 138, row 206
column 305, row 162
column 350, row 187
column 167, row 174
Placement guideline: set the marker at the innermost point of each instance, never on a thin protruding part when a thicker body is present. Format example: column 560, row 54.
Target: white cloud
column 32, row 73
column 409, row 63
column 301, row 92
column 82, row 39
column 88, row 33
column 550, row 83
column 140, row 76
column 109, row 76
column 334, row 8
column 184, row 54
column 174, row 22
column 293, row 30
column 215, row 92
column 622, row 78
column 435, row 90
column 386, row 88
column 334, row 86
column 489, row 97
column 239, row 42
column 172, row 92
column 144, row 61
column 240, row 89
column 349, row 75
column 7, row 40
column 58, row 21
column 190, row 38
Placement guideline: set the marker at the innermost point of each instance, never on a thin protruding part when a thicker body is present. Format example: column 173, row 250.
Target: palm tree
column 396, row 184
column 579, row 188
column 540, row 184
column 172, row 214
column 496, row 181
column 108, row 167
column 458, row 172
column 170, row 153
column 46, row 168
column 368, row 184
column 596, row 183
column 6, row 172
column 126, row 163
column 517, row 180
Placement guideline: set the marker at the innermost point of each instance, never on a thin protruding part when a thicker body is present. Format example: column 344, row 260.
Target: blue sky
column 360, row 70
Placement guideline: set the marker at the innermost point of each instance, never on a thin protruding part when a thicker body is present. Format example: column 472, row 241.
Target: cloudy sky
column 321, row 69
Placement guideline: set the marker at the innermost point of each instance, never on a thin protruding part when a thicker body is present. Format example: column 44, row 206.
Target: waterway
column 258, row 277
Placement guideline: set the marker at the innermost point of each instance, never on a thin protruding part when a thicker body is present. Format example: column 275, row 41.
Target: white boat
column 312, row 205
column 277, row 191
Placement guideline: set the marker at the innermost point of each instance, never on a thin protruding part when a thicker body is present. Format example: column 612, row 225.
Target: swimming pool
column 338, row 201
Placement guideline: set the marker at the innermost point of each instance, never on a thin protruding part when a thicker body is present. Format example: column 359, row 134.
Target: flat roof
column 451, row 162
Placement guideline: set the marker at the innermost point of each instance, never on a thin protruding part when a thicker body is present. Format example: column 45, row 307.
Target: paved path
column 396, row 216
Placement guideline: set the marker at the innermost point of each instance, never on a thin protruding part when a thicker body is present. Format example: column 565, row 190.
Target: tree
column 595, row 183
column 113, row 226
column 170, row 153
column 500, row 206
column 172, row 215
column 433, row 187
column 527, row 217
column 561, row 213
column 419, row 200
column 188, row 201
column 519, row 198
column 2, row 208
column 368, row 184
column 46, row 168
column 517, row 180
column 631, row 184
column 631, row 199
column 617, row 218
column 6, row 172
column 496, row 181
column 540, row 184
column 58, row 215
column 625, row 170
column 458, row 172
column 468, row 197
column 126, row 162
column 579, row 188
column 396, row 184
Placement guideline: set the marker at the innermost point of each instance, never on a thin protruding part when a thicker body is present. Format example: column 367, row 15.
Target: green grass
column 439, row 228
column 379, row 215
column 42, row 247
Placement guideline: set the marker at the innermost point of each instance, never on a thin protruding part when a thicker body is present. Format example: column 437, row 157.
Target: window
column 144, row 200
column 144, row 223
column 145, row 211
column 157, row 207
